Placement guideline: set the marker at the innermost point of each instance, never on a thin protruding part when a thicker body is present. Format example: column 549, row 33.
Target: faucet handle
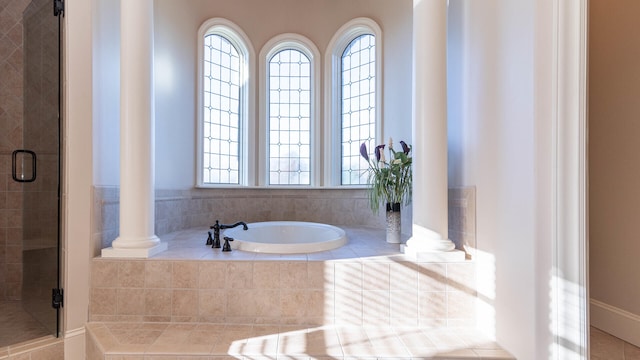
column 209, row 239
column 227, row 246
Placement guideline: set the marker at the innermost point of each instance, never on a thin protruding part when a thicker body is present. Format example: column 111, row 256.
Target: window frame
column 309, row 49
column 237, row 37
column 333, row 95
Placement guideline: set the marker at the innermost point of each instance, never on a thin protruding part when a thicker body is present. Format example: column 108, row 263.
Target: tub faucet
column 244, row 225
column 216, row 231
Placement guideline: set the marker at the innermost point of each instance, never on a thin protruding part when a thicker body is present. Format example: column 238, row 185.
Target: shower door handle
column 20, row 164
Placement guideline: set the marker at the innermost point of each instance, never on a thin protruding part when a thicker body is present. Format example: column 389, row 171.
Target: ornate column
column 430, row 191
column 137, row 199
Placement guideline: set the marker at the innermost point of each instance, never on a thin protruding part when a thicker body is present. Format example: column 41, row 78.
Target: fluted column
column 430, row 202
column 137, row 199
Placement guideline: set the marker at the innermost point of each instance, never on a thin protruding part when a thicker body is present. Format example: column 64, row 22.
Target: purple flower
column 378, row 151
column 405, row 147
column 363, row 151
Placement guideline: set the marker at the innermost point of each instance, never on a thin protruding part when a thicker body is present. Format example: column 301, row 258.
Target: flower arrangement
column 390, row 181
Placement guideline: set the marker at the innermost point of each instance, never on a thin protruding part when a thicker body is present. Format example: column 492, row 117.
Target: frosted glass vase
column 393, row 223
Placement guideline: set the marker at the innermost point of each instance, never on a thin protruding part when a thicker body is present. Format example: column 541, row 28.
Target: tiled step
column 182, row 341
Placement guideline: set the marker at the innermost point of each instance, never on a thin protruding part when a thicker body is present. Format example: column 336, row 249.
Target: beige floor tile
column 422, row 352
column 445, row 339
column 493, row 354
column 631, row 352
column 412, row 338
column 605, row 346
column 262, row 345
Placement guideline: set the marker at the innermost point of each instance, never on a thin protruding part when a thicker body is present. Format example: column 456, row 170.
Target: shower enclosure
column 29, row 170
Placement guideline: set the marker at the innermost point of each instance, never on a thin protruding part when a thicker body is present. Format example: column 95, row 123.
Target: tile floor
column 288, row 342
column 16, row 325
column 608, row 347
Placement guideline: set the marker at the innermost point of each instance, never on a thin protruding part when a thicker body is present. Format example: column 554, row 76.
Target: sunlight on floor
column 374, row 341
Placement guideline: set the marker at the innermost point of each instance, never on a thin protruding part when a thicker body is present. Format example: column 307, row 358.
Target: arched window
column 223, row 107
column 353, row 70
column 290, row 105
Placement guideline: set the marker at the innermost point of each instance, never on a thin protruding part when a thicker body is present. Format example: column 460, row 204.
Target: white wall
column 106, row 92
column 614, row 170
column 177, row 23
column 493, row 147
column 516, row 133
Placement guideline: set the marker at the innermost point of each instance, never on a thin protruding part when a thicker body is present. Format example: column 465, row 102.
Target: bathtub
column 286, row 237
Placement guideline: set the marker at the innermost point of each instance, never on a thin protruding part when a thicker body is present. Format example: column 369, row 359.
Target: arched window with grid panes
column 290, row 111
column 224, row 107
column 353, row 76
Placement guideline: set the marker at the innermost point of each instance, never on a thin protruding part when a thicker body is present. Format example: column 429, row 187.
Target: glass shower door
column 38, row 163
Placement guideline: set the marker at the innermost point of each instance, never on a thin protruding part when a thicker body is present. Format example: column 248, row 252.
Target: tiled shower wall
column 184, row 209
column 28, row 119
column 40, row 134
column 11, row 129
column 41, row 124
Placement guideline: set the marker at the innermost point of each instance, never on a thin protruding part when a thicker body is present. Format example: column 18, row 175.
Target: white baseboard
column 615, row 321
column 74, row 344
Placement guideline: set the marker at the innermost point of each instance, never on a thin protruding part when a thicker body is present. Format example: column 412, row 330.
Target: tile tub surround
column 366, row 282
column 462, row 218
column 364, row 300
column 185, row 209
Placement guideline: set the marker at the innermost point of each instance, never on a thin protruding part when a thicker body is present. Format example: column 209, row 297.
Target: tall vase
column 393, row 223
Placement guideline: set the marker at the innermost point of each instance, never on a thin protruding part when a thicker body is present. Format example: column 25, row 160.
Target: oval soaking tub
column 286, row 237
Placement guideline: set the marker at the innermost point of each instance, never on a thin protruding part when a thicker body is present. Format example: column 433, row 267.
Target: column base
column 112, row 252
column 428, row 245
column 454, row 255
